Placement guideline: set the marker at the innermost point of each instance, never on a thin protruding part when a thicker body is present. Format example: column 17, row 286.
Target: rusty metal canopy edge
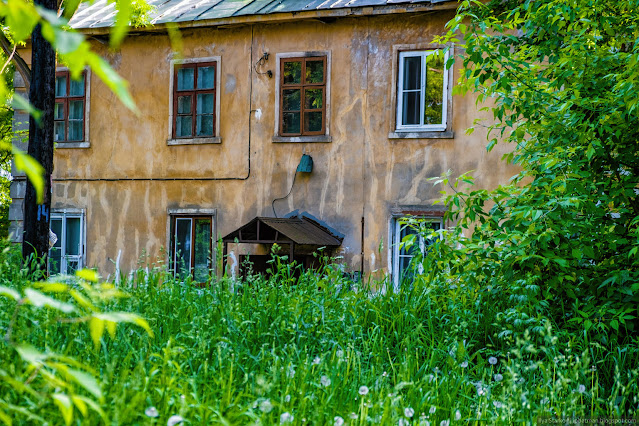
column 300, row 230
column 101, row 13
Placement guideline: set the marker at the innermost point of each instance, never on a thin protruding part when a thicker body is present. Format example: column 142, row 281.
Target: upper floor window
column 302, row 96
column 70, row 107
column 194, row 100
column 422, row 91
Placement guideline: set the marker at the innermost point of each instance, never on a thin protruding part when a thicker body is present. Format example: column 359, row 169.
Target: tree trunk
column 41, row 97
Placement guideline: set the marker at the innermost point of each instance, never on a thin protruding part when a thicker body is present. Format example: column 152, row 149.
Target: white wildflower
column 499, row 377
column 432, row 410
column 464, row 364
column 151, row 412
column 424, row 422
column 174, row 420
column 498, row 404
column 266, row 406
column 340, row 354
column 457, row 415
column 492, row 360
column 316, row 360
column 287, row 398
column 581, row 388
column 363, row 390
column 353, row 416
column 430, row 378
column 444, row 423
column 384, row 374
column 409, row 412
column 286, row 418
column 403, row 422
column 325, row 381
column 290, row 372
column 338, row 421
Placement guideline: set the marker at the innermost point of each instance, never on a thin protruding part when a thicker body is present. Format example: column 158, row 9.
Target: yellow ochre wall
column 361, row 173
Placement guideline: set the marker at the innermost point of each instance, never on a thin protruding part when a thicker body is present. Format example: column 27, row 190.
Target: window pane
column 56, row 227
column 184, row 126
column 405, row 274
column 60, row 86
column 313, row 121
column 75, row 130
column 412, row 73
column 182, row 247
column 313, row 98
column 202, row 249
column 72, row 243
column 77, row 87
column 314, row 71
column 292, row 72
column 184, row 105
column 291, row 100
column 72, row 266
column 405, row 249
column 55, row 258
column 76, row 110
column 410, row 108
column 58, row 113
column 204, row 125
column 206, row 78
column 59, row 131
column 291, row 122
column 205, row 103
column 434, row 93
column 185, row 78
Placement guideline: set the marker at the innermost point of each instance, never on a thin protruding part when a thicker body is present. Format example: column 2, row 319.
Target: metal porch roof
column 300, row 230
column 101, row 13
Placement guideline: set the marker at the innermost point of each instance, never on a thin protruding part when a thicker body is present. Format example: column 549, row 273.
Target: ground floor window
column 192, row 247
column 404, row 248
column 67, row 233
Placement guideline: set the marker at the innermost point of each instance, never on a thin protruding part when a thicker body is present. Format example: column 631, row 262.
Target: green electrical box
column 306, row 164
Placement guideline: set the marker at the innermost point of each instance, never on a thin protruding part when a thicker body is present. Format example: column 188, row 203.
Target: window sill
column 303, row 139
column 194, row 141
column 63, row 145
column 448, row 134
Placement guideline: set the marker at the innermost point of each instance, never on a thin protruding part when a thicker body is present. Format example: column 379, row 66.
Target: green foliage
column 563, row 238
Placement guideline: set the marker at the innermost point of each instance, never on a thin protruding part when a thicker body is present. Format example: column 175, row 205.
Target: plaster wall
column 361, row 173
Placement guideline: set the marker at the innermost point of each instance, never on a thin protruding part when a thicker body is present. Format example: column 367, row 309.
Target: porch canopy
column 296, row 232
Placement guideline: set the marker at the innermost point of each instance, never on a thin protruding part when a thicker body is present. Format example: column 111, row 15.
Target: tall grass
column 321, row 349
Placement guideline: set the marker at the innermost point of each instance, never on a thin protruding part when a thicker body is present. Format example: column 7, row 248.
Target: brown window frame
column 302, row 86
column 64, row 100
column 172, row 252
column 193, row 93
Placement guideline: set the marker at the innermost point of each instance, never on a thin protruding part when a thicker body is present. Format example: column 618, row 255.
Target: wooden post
column 42, row 98
column 292, row 252
column 224, row 254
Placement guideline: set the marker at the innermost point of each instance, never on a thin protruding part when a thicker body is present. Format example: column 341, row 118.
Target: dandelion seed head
column 266, row 406
column 492, row 360
column 353, row 416
column 457, row 415
column 464, row 364
column 498, row 377
column 286, row 418
column 444, row 423
column 498, row 404
column 174, row 420
column 151, row 412
column 432, row 410
column 338, row 421
column 581, row 388
column 316, row 360
column 325, row 381
column 409, row 412
column 287, row 398
column 363, row 390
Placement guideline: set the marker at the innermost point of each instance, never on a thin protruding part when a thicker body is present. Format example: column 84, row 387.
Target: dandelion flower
column 498, row 404
column 464, row 364
column 403, row 422
column 581, row 388
column 457, row 415
column 316, row 360
column 325, row 381
column 287, row 398
column 492, row 360
column 481, row 391
column 174, row 420
column 151, row 412
column 409, row 412
column 266, row 406
column 286, row 418
column 499, row 377
column 338, row 421
column 363, row 390
column 444, row 423
column 432, row 410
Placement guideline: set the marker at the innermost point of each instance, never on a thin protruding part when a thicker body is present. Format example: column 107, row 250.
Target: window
column 194, row 100
column 302, row 96
column 191, row 246
column 70, row 107
column 67, row 254
column 402, row 253
column 422, row 91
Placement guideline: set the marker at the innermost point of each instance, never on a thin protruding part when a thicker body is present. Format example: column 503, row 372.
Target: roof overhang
column 295, row 230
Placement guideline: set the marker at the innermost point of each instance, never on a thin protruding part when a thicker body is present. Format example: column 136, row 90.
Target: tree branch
column 20, row 64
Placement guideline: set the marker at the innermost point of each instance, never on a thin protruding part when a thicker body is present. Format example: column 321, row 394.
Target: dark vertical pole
column 292, row 252
column 361, row 271
column 42, row 98
column 224, row 253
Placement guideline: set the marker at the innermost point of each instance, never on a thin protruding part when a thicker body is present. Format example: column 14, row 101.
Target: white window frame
column 190, row 213
column 423, row 54
column 63, row 214
column 195, row 141
column 395, row 230
column 326, row 137
column 87, row 109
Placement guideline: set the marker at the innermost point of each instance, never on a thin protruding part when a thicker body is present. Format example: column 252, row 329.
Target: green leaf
column 87, row 381
column 117, row 84
column 126, row 317
column 33, row 170
column 30, row 354
column 65, row 406
column 40, row 300
column 88, row 275
column 96, row 328
column 20, row 18
column 21, row 103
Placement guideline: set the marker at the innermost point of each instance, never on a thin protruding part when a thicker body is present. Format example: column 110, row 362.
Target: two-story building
column 338, row 111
